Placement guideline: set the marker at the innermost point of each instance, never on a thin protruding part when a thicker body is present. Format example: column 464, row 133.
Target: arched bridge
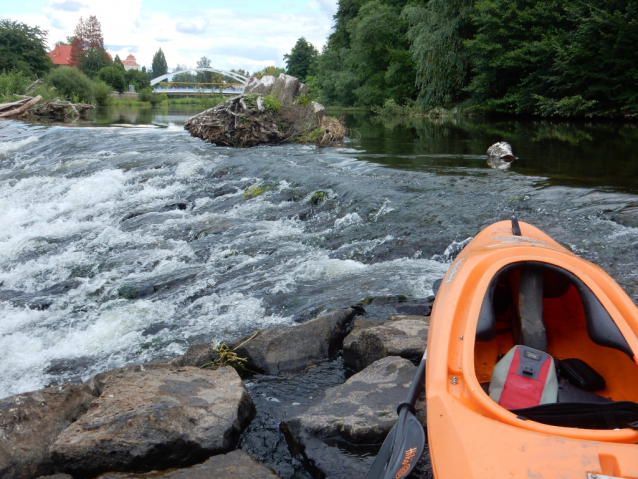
column 176, row 88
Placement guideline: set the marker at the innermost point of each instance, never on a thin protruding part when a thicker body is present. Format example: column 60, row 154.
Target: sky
column 247, row 34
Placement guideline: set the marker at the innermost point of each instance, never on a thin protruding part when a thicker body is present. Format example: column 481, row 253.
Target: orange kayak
column 531, row 371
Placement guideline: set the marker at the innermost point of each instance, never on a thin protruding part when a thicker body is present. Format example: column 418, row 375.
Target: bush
column 71, row 84
column 145, row 94
column 101, row 92
column 113, row 77
column 273, row 103
column 13, row 83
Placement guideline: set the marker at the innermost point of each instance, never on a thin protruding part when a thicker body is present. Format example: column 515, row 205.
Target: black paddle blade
column 401, row 450
column 380, row 464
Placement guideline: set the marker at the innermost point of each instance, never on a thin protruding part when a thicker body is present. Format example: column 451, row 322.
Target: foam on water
column 127, row 245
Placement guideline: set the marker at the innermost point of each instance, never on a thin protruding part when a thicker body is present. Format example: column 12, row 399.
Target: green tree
column 598, row 59
column 137, row 78
column 300, row 58
column 93, row 61
column 204, row 77
column 113, row 77
column 159, row 66
column 513, row 64
column 436, row 33
column 186, row 77
column 23, row 48
column 271, row 70
column 117, row 62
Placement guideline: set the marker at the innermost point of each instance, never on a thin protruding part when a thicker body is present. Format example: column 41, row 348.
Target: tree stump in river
column 270, row 111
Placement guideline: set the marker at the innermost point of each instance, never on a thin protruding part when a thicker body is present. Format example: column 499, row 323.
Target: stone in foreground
column 30, row 422
column 351, row 416
column 290, row 348
column 156, row 419
column 402, row 337
column 236, row 465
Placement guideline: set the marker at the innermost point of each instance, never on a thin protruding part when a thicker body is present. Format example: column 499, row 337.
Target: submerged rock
column 350, row 418
column 270, row 111
column 30, row 422
column 155, row 419
column 294, row 347
column 235, row 464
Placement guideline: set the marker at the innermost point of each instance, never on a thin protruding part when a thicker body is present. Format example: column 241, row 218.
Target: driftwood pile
column 16, row 108
column 56, row 109
column 269, row 112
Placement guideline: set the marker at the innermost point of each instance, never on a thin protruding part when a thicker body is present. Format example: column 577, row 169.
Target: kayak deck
column 470, row 435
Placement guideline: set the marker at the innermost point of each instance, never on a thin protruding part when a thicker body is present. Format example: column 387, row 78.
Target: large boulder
column 353, row 415
column 294, row 347
column 235, row 464
column 155, row 418
column 286, row 88
column 405, row 337
column 30, row 422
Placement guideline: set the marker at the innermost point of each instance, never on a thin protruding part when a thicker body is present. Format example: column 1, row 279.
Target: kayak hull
column 472, row 436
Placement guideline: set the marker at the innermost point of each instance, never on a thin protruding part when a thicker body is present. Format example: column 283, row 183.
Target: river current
column 126, row 244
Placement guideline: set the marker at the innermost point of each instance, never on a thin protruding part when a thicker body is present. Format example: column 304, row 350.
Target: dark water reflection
column 161, row 116
column 566, row 153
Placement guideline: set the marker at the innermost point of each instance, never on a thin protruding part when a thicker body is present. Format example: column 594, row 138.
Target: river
column 124, row 239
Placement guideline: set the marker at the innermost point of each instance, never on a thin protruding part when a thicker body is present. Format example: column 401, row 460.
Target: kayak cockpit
column 549, row 311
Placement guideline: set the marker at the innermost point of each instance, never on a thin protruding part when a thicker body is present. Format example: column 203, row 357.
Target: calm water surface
column 124, row 239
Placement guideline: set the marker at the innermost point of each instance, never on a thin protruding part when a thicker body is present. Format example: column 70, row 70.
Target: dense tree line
column 563, row 57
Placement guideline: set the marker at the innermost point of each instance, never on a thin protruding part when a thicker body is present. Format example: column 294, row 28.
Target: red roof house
column 130, row 63
column 61, row 55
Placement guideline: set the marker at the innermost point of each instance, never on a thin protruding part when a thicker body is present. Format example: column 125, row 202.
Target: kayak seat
column 537, row 281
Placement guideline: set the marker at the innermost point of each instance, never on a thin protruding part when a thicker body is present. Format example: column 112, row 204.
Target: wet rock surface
column 235, row 464
column 155, row 419
column 402, row 335
column 339, row 435
column 291, row 348
column 29, row 423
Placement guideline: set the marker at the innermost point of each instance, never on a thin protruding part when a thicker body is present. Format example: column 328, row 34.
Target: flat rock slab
column 235, row 464
column 396, row 337
column 290, row 348
column 155, row 419
column 29, row 423
column 350, row 417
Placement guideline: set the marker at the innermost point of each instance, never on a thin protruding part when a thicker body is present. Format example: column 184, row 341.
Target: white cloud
column 230, row 39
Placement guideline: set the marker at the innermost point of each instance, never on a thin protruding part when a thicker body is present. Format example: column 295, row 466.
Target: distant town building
column 130, row 63
column 61, row 55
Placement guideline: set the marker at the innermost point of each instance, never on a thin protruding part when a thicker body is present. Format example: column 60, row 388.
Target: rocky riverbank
column 190, row 421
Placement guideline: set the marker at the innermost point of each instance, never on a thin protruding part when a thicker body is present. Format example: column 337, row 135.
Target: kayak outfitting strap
column 516, row 229
column 525, row 377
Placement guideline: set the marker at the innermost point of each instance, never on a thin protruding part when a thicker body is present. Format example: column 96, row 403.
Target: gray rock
column 155, row 419
column 359, row 412
column 318, row 108
column 197, row 355
column 294, row 347
column 397, row 337
column 57, row 476
column 261, row 86
column 286, row 88
column 502, row 150
column 29, row 423
column 235, row 464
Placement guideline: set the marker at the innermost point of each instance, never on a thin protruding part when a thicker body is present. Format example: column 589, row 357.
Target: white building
column 130, row 63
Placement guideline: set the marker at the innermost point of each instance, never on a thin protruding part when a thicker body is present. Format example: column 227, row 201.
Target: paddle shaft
column 417, row 385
